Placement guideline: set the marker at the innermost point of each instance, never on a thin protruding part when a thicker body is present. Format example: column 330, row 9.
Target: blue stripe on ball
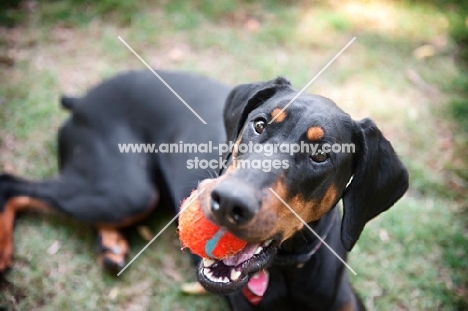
column 211, row 243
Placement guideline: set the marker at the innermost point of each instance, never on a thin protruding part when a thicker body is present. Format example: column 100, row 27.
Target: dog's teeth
column 266, row 243
column 210, row 276
column 259, row 250
column 215, row 279
column 207, row 262
column 225, row 279
column 235, row 275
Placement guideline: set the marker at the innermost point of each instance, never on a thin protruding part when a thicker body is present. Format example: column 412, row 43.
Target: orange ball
column 203, row 237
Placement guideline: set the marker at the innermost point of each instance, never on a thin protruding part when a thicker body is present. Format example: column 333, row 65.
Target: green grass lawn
column 412, row 257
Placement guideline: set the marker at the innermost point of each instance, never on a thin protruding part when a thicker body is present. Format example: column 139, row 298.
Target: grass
column 411, row 257
column 424, row 282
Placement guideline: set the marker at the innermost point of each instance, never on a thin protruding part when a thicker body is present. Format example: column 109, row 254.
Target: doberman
column 283, row 266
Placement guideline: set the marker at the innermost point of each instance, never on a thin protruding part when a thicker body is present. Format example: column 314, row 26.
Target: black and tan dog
column 283, row 266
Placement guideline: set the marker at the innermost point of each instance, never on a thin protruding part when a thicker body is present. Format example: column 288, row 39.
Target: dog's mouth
column 232, row 273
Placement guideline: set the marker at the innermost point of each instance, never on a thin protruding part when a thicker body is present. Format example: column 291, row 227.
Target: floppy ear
column 380, row 179
column 243, row 99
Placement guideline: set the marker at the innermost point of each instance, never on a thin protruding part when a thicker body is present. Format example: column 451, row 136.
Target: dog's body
column 109, row 190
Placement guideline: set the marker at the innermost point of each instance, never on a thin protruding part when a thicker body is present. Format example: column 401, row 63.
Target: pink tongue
column 258, row 283
column 246, row 253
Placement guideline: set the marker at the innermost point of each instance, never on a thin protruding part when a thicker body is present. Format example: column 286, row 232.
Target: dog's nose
column 233, row 203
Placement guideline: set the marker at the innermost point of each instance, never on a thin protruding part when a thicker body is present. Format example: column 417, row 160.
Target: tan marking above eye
column 281, row 115
column 315, row 133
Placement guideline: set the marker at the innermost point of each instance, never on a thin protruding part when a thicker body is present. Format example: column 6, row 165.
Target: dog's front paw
column 111, row 262
column 112, row 248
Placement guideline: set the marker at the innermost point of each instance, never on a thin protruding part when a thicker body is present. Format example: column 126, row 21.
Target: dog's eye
column 259, row 125
column 319, row 156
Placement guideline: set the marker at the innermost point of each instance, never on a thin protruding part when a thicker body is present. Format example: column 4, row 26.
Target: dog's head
column 344, row 159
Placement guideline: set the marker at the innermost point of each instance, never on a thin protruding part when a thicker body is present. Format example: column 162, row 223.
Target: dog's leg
column 108, row 212
column 112, row 248
column 14, row 198
column 7, row 218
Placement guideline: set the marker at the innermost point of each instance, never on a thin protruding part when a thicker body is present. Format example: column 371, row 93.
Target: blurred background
column 407, row 70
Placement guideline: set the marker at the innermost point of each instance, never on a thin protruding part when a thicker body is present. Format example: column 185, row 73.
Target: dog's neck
column 301, row 246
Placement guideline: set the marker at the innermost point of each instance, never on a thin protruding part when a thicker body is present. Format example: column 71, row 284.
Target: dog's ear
column 379, row 180
column 246, row 97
